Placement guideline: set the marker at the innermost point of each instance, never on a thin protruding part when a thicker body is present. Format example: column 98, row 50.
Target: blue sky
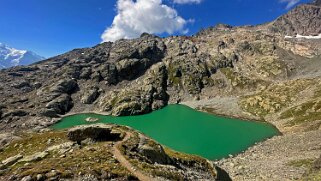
column 51, row 27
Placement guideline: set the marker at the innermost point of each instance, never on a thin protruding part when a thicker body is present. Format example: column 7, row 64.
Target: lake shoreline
column 215, row 133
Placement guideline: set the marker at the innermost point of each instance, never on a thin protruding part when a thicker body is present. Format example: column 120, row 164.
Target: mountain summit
column 303, row 20
column 10, row 57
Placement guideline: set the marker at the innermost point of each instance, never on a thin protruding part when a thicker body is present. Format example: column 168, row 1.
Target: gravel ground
column 226, row 106
column 271, row 160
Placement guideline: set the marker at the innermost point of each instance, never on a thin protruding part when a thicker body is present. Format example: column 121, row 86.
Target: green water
column 187, row 130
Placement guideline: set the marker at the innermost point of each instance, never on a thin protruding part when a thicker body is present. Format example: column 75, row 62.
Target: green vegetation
column 301, row 163
column 240, row 81
column 275, row 97
column 32, row 143
column 306, row 112
column 93, row 159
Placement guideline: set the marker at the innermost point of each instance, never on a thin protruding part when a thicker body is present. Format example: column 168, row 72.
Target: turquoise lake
column 186, row 130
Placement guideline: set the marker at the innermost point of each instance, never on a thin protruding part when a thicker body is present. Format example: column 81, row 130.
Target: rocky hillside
column 99, row 152
column 303, row 20
column 249, row 72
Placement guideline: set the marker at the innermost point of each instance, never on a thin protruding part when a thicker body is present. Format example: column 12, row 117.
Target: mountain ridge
column 10, row 57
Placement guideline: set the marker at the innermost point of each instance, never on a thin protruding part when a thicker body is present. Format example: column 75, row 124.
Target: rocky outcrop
column 149, row 95
column 67, row 86
column 34, row 157
column 59, row 105
column 153, row 152
column 90, row 95
column 303, row 20
column 97, row 132
column 10, row 161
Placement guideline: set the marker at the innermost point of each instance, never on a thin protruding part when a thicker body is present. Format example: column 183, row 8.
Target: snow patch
column 305, row 37
column 13, row 57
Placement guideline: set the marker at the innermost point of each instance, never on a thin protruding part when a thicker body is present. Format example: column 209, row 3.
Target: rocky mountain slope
column 99, row 152
column 255, row 70
column 303, row 20
column 10, row 57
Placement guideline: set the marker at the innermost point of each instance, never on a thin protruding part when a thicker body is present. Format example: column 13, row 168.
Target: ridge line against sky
column 50, row 27
column 131, row 20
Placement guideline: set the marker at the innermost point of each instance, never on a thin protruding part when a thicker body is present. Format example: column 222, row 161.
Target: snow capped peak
column 13, row 57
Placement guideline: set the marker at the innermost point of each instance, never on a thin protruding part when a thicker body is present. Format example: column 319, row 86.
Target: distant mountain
column 10, row 57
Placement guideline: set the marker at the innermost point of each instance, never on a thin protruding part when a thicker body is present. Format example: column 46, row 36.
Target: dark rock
column 97, row 132
column 37, row 85
column 21, row 85
column 108, row 72
column 153, row 152
column 61, row 104
column 28, row 69
column 221, row 45
column 96, row 76
column 90, row 96
column 139, row 99
column 129, row 69
column 19, row 113
column 51, row 113
column 15, row 74
column 85, row 73
column 65, row 86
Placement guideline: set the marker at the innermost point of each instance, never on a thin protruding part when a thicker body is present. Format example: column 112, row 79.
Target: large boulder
column 59, row 105
column 108, row 72
column 154, row 152
column 90, row 95
column 65, row 86
column 10, row 161
column 96, row 132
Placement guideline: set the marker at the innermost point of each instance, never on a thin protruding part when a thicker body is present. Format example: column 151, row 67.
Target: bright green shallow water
column 187, row 130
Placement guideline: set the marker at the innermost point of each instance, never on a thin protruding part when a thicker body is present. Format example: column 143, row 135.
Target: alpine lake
column 187, row 130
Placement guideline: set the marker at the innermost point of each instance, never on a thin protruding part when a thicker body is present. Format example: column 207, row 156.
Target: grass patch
column 91, row 159
column 301, row 163
column 275, row 97
column 306, row 112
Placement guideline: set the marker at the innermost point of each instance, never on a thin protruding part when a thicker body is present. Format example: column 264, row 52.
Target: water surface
column 187, row 130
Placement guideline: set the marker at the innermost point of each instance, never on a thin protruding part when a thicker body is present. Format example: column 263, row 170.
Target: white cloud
column 187, row 1
column 290, row 3
column 136, row 17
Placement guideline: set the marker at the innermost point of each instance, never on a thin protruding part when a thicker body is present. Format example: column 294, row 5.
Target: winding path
column 124, row 162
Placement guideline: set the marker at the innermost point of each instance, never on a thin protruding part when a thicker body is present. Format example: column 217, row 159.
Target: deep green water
column 187, row 130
